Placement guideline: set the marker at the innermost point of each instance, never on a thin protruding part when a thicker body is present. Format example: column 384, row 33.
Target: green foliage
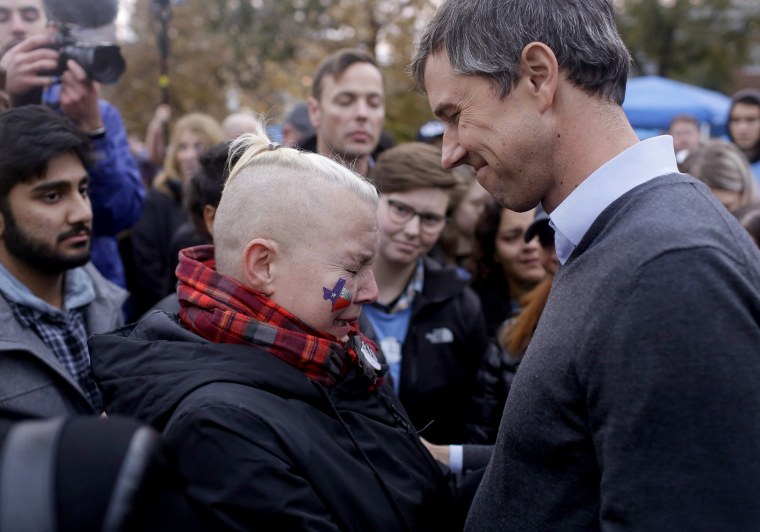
column 696, row 41
column 265, row 51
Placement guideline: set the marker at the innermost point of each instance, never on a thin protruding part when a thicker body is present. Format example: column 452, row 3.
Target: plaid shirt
column 65, row 334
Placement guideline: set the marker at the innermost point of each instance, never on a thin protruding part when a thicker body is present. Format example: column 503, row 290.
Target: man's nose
column 362, row 108
column 81, row 210
column 452, row 153
column 18, row 26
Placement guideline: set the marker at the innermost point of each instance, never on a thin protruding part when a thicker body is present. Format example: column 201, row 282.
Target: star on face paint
column 340, row 296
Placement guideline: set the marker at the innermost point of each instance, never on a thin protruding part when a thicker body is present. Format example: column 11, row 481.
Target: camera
column 102, row 62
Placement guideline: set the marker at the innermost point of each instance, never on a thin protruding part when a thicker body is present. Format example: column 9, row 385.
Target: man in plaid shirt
column 51, row 297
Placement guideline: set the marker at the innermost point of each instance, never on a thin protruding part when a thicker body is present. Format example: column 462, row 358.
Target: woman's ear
column 258, row 265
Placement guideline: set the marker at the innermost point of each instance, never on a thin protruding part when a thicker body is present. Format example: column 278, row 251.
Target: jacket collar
column 78, row 291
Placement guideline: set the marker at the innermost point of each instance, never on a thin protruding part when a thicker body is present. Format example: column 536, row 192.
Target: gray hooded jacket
column 32, row 380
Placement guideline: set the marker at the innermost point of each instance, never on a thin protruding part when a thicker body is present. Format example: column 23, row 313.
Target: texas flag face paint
column 341, row 297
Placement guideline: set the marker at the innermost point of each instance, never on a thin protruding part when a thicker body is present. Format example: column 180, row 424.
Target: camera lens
column 103, row 63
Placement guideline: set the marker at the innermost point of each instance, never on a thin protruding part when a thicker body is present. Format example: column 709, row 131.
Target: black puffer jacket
column 494, row 380
column 266, row 447
column 441, row 354
column 149, row 264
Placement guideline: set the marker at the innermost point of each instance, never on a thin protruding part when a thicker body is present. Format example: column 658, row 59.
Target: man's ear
column 538, row 65
column 314, row 111
column 259, row 259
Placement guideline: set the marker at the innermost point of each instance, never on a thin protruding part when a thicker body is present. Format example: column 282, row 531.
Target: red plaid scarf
column 222, row 310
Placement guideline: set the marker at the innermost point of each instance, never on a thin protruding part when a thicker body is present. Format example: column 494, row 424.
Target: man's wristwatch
column 97, row 133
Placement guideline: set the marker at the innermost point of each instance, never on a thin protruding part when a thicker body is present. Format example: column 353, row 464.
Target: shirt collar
column 413, row 288
column 78, row 291
column 638, row 164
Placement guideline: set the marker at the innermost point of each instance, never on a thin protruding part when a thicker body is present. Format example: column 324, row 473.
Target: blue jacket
column 116, row 189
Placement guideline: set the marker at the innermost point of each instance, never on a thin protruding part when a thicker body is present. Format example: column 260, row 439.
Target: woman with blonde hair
column 723, row 167
column 162, row 214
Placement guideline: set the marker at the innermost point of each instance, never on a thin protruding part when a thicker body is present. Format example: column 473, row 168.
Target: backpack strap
column 27, row 476
column 143, row 448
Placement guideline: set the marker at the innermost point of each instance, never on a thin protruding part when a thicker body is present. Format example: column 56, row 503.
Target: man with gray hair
column 635, row 406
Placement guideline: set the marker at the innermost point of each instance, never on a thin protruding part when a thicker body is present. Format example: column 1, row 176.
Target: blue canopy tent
column 651, row 102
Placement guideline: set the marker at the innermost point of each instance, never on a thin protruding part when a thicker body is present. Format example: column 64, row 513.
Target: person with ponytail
column 276, row 403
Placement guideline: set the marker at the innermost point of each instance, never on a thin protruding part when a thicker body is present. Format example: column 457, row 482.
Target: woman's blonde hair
column 721, row 165
column 203, row 125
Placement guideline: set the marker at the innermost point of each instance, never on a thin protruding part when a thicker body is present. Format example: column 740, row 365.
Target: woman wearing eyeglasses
column 427, row 322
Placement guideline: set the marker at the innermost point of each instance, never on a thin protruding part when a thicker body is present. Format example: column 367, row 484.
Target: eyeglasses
column 401, row 213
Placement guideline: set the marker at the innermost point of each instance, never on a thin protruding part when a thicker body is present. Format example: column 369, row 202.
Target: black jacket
column 89, row 473
column 266, row 447
column 150, row 263
column 497, row 307
column 441, row 355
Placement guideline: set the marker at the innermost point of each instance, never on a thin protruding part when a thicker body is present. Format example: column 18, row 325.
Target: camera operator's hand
column 24, row 63
column 79, row 98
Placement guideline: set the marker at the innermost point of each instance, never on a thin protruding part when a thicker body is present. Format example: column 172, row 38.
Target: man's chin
column 357, row 151
column 61, row 263
column 79, row 259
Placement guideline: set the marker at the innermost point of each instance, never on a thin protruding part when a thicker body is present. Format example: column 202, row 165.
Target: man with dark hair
column 347, row 108
column 744, row 126
column 686, row 135
column 51, row 298
column 116, row 189
column 635, row 404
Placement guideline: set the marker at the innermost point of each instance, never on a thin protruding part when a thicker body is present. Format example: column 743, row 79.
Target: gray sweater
column 32, row 380
column 637, row 404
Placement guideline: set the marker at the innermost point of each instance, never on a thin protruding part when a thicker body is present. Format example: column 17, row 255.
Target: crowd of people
column 525, row 319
